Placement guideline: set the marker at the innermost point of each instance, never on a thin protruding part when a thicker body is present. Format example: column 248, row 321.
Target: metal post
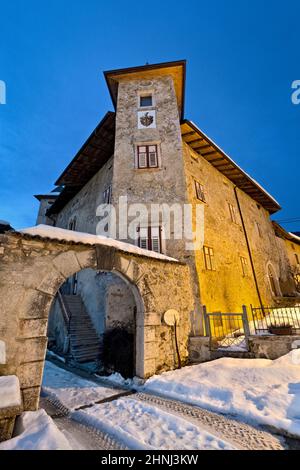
column 206, row 322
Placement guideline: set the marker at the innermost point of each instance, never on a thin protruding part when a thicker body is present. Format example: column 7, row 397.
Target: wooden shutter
column 142, row 157
column 143, row 238
column 155, row 239
column 107, row 195
column 152, row 156
column 200, row 191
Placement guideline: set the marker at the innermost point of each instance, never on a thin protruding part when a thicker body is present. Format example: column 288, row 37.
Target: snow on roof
column 55, row 233
column 9, row 391
column 293, row 235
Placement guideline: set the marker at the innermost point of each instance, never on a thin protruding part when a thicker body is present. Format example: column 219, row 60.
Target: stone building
column 149, row 153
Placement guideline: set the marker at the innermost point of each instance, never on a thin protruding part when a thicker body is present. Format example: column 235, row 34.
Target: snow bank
column 9, row 391
column 258, row 390
column 55, row 233
column 36, row 431
column 71, row 390
column 2, row 352
column 140, row 426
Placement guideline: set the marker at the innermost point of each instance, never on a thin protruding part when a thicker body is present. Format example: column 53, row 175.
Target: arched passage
column 33, row 265
column 96, row 325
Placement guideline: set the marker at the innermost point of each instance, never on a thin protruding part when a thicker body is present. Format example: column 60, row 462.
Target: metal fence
column 227, row 331
column 268, row 320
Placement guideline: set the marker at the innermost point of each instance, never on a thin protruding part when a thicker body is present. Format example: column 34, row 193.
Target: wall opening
column 95, row 325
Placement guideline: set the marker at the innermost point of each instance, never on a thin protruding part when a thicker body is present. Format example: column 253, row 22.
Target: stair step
column 78, row 347
column 86, row 354
column 86, row 345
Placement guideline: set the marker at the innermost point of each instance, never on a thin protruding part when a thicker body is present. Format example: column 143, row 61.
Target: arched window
column 273, row 281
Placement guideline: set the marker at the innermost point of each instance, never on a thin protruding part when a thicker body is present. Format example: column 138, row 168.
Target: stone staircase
column 84, row 341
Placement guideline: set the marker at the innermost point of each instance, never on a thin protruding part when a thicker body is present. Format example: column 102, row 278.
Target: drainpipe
column 249, row 249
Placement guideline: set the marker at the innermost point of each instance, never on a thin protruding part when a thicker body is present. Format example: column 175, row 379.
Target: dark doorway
column 118, row 352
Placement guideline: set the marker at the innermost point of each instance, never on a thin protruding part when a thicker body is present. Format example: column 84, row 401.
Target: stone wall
column 31, row 271
column 272, row 347
column 226, row 289
column 84, row 205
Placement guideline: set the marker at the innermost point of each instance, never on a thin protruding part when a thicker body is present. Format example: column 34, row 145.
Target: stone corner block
column 199, row 349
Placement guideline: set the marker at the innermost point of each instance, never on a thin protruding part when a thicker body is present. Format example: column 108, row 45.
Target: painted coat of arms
column 146, row 120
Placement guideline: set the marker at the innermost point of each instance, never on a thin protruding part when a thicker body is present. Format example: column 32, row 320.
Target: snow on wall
column 9, row 391
column 55, row 233
column 2, row 352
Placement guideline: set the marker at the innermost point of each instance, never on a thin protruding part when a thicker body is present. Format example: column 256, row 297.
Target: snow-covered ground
column 71, row 390
column 142, row 426
column 10, row 394
column 259, row 390
column 36, row 431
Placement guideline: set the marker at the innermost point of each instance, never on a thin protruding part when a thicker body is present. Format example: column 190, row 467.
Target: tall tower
column 148, row 156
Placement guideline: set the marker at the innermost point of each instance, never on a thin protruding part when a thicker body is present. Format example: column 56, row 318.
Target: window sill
column 146, row 108
column 151, row 170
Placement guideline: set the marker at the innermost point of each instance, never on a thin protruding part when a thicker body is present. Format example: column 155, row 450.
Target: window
column 244, row 264
column 147, row 156
column 145, row 101
column 258, row 229
column 107, row 195
column 233, row 214
column 150, row 238
column 297, row 258
column 200, row 191
column 72, row 224
column 209, row 258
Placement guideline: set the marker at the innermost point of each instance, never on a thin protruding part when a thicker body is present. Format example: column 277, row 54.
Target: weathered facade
column 33, row 267
column 249, row 264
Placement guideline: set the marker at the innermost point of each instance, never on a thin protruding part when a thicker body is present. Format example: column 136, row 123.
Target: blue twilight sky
column 242, row 59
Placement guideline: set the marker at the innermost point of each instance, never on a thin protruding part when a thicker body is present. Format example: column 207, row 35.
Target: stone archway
column 32, row 268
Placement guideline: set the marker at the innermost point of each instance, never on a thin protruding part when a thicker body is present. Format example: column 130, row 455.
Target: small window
column 297, row 258
column 150, row 238
column 107, row 195
column 147, row 156
column 145, row 101
column 233, row 214
column 72, row 224
column 209, row 258
column 200, row 191
column 244, row 264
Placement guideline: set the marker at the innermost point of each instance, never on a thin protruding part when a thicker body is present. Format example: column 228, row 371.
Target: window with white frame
column 209, row 258
column 258, row 228
column 107, row 195
column 232, row 211
column 146, row 100
column 200, row 191
column 244, row 263
column 150, row 238
column 147, row 156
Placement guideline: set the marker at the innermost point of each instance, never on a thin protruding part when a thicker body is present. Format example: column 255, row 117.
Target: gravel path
column 241, row 435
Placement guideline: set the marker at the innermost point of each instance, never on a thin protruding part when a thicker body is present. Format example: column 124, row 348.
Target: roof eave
column 276, row 206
